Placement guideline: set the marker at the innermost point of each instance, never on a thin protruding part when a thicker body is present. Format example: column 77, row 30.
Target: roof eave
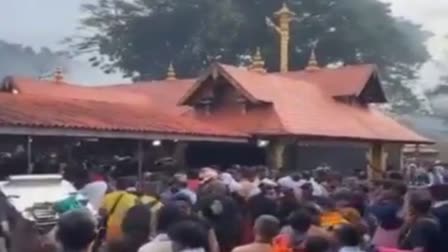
column 343, row 138
column 118, row 134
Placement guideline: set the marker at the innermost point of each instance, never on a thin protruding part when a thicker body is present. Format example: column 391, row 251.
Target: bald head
column 266, row 227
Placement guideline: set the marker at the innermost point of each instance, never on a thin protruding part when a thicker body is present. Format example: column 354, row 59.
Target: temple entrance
column 342, row 158
column 223, row 154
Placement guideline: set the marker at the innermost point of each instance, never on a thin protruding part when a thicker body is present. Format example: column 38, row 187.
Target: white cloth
column 268, row 182
column 436, row 177
column 288, row 182
column 94, row 192
column 160, row 243
column 230, row 182
column 318, row 189
column 193, row 250
column 350, row 249
column 440, row 203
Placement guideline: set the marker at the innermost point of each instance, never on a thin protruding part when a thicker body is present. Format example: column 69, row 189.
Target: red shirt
column 97, row 177
column 193, row 184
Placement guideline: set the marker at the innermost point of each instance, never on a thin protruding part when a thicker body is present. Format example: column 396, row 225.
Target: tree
column 141, row 37
column 16, row 59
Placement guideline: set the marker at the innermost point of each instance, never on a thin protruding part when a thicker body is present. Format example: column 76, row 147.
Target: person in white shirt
column 293, row 182
column 95, row 190
column 230, row 182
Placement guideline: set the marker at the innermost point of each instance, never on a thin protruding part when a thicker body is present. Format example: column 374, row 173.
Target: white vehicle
column 34, row 197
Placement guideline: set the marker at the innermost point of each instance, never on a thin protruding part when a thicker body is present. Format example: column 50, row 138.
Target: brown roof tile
column 164, row 94
column 302, row 104
column 347, row 80
column 51, row 112
column 70, row 91
column 304, row 109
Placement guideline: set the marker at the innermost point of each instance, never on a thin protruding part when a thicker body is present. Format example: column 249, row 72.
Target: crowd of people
column 251, row 209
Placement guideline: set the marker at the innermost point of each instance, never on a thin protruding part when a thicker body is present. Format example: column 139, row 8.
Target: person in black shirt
column 423, row 232
column 184, row 203
column 223, row 214
column 264, row 203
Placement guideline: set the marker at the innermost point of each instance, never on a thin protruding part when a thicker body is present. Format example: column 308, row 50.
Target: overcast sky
column 46, row 22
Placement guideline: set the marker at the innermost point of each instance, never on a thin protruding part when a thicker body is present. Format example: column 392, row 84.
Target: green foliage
column 143, row 36
column 16, row 59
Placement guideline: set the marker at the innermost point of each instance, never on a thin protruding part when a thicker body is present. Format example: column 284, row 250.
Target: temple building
column 227, row 115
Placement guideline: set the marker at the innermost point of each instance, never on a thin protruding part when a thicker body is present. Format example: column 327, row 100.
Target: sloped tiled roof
column 63, row 90
column 346, row 80
column 304, row 109
column 67, row 113
column 163, row 94
column 297, row 103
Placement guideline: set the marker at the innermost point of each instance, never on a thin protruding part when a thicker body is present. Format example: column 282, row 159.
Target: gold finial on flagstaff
column 284, row 17
column 257, row 62
column 170, row 74
column 58, row 75
column 284, row 11
column 313, row 64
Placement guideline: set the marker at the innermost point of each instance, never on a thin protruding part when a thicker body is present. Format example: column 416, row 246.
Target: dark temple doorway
column 223, row 154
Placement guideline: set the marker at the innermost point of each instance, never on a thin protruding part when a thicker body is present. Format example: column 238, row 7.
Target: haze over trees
column 141, row 37
column 16, row 59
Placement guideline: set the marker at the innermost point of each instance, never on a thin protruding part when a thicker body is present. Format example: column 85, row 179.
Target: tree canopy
column 16, row 59
column 141, row 37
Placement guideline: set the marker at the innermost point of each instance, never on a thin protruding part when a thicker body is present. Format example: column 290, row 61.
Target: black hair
column 300, row 220
column 267, row 226
column 123, row 183
column 137, row 221
column 296, row 176
column 314, row 213
column 189, row 234
column 317, row 244
column 348, row 235
column 76, row 230
column 306, row 175
column 168, row 215
column 192, row 173
column 182, row 197
column 420, row 202
column 395, row 175
column 439, row 192
column 248, row 172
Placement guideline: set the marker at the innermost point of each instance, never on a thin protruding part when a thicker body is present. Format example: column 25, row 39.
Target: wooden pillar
column 29, row 154
column 179, row 154
column 140, row 154
column 377, row 160
column 275, row 157
column 394, row 153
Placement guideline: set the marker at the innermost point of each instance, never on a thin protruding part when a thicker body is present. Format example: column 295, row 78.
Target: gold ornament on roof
column 58, row 75
column 170, row 74
column 257, row 62
column 313, row 64
column 284, row 17
column 284, row 11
